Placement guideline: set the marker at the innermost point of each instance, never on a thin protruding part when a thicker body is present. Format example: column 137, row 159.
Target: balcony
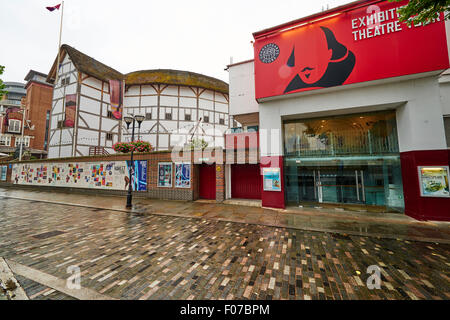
column 242, row 140
column 9, row 102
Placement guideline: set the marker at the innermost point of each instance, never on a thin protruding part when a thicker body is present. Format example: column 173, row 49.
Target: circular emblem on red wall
column 269, row 53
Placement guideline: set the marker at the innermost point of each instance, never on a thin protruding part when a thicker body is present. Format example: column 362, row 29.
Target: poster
column 115, row 95
column 139, row 178
column 3, row 172
column 71, row 109
column 271, row 179
column 112, row 175
column 183, row 175
column 434, row 181
column 165, row 174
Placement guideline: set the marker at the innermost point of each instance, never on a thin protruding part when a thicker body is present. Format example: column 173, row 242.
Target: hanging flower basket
column 136, row 146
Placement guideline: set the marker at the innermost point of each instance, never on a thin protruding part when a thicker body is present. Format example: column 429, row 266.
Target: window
column 252, row 128
column 60, row 124
column 65, row 81
column 148, row 116
column 187, row 117
column 14, row 126
column 26, row 141
column 206, row 119
column 168, row 116
column 110, row 114
column 222, row 121
column 5, row 140
column 109, row 136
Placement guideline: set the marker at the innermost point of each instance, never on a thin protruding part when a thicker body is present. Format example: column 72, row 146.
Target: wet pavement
column 139, row 255
column 384, row 225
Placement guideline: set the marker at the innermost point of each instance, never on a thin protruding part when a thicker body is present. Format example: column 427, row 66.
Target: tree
column 2, row 85
column 197, row 144
column 422, row 11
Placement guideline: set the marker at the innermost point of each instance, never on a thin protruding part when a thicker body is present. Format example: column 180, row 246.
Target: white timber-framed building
column 178, row 106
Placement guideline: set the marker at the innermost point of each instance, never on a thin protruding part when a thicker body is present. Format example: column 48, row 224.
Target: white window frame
column 7, row 140
column 10, row 122
column 26, row 139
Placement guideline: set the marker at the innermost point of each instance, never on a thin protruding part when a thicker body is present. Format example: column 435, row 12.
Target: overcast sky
column 197, row 35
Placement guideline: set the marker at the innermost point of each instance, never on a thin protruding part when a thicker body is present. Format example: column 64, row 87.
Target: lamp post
column 132, row 119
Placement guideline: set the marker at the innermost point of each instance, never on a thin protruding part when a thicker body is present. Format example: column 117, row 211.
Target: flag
column 53, row 8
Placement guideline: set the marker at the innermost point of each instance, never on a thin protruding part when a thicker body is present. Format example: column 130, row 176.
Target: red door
column 245, row 181
column 207, row 178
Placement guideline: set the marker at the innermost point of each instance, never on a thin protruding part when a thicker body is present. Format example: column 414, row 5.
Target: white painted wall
column 61, row 140
column 242, row 88
column 179, row 101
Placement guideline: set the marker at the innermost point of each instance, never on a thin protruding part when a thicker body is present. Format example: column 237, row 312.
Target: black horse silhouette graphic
column 340, row 66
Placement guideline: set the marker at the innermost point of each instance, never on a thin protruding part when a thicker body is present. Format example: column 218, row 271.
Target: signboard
column 139, row 178
column 271, row 179
column 361, row 44
column 165, row 174
column 434, row 181
column 182, row 175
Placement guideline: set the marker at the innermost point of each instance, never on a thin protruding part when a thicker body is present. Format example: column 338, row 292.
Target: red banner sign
column 356, row 45
column 116, row 97
column 71, row 110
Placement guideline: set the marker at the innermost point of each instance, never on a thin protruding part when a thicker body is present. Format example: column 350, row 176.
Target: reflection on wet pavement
column 128, row 255
column 328, row 220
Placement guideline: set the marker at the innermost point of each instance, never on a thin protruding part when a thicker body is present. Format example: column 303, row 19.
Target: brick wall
column 220, row 182
column 153, row 159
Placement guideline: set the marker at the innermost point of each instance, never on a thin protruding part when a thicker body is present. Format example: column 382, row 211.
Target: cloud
column 198, row 36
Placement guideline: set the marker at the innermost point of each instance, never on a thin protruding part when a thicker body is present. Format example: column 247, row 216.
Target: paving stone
column 130, row 256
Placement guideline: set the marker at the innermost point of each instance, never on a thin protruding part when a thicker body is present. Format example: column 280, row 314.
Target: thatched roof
column 96, row 69
column 175, row 77
column 85, row 64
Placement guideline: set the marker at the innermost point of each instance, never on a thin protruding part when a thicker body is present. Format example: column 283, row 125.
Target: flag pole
column 59, row 44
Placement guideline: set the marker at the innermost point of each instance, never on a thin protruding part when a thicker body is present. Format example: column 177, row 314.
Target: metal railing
column 342, row 143
column 98, row 151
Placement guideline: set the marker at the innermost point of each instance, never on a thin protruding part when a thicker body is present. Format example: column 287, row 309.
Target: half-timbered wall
column 172, row 112
column 61, row 139
column 93, row 127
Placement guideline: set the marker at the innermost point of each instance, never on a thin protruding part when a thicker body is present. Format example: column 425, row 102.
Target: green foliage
column 423, row 11
column 198, row 144
column 2, row 85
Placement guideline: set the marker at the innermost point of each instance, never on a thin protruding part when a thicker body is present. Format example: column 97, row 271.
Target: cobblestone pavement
column 37, row 291
column 131, row 256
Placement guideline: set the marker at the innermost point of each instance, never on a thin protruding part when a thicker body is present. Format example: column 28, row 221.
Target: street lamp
column 132, row 119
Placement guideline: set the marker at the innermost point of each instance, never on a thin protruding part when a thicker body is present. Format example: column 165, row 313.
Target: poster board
column 434, row 181
column 165, row 174
column 3, row 172
column 139, row 178
column 271, row 179
column 182, row 175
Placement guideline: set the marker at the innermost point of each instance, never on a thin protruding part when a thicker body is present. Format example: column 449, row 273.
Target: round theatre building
column 178, row 106
column 353, row 111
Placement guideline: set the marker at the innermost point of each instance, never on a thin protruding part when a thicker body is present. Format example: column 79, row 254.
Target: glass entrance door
column 337, row 185
column 331, row 185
